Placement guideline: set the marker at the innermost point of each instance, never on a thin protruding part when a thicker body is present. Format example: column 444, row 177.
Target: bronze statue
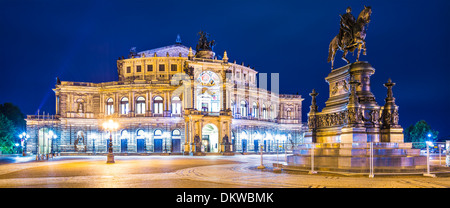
column 203, row 43
column 352, row 35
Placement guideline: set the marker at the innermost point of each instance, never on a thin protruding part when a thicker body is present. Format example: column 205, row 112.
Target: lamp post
column 261, row 166
column 23, row 137
column 110, row 126
column 428, row 144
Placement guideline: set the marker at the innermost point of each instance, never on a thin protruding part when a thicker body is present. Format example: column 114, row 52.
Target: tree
column 420, row 133
column 13, row 114
column 7, row 132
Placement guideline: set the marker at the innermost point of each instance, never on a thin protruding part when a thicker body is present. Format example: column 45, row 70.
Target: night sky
column 407, row 41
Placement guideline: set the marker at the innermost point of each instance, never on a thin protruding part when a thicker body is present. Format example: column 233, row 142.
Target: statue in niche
column 78, row 140
column 197, row 143
column 395, row 117
column 387, row 118
column 80, row 107
column 226, row 143
column 374, row 117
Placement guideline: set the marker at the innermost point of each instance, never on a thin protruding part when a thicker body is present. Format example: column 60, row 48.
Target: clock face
column 208, row 78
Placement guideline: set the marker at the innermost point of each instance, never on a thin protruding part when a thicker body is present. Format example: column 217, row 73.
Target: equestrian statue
column 351, row 36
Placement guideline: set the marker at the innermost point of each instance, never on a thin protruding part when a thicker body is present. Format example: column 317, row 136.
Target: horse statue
column 203, row 43
column 351, row 36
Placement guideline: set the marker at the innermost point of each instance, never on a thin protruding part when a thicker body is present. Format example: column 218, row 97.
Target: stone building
column 169, row 100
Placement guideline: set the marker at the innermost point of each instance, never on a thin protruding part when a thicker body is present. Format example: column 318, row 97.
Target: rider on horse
column 347, row 22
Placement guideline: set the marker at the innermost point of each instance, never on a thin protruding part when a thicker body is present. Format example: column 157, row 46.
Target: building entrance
column 210, row 138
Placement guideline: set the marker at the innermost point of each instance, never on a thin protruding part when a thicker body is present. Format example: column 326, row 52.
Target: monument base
column 355, row 157
column 205, row 54
column 353, row 135
column 392, row 135
column 110, row 158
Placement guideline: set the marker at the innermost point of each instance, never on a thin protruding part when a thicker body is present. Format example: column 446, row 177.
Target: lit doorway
column 210, row 138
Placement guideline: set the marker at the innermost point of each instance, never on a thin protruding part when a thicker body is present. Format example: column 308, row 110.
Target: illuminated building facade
column 163, row 100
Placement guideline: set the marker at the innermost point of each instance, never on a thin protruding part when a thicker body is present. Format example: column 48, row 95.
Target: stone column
column 354, row 131
column 311, row 135
column 391, row 131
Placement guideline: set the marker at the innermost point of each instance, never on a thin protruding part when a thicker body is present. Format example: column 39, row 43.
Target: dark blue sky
column 407, row 41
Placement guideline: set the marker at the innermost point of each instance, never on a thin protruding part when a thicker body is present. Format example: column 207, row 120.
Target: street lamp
column 110, row 126
column 428, row 144
column 23, row 138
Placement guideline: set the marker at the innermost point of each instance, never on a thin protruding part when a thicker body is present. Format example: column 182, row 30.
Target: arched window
column 140, row 105
column 176, row 132
column 255, row 110
column 140, row 134
column 80, row 106
column 272, row 112
column 264, row 111
column 109, row 106
column 176, row 105
column 124, row 134
column 124, row 106
column 244, row 108
column 157, row 133
column 158, row 105
column 289, row 113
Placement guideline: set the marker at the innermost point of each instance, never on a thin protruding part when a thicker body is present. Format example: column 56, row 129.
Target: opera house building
column 170, row 100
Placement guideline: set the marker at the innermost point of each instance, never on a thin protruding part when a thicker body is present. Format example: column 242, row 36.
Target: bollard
column 428, row 162
column 277, row 169
column 312, row 160
column 261, row 166
column 371, row 175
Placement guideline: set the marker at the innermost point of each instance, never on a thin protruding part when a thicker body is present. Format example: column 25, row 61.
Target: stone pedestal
column 353, row 135
column 110, row 158
column 205, row 54
column 339, row 136
column 392, row 135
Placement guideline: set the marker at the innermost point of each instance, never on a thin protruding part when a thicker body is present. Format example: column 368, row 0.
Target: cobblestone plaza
column 187, row 172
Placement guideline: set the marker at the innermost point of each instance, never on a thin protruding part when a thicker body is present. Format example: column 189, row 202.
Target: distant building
column 165, row 98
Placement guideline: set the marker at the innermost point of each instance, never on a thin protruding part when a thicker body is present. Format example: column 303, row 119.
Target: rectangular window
column 173, row 67
column 128, row 69
column 109, row 109
column 158, row 108
column 161, row 67
column 176, row 108
column 138, row 68
column 140, row 108
column 149, row 68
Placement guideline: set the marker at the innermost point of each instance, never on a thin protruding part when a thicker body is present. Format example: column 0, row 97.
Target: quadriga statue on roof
column 203, row 43
column 352, row 35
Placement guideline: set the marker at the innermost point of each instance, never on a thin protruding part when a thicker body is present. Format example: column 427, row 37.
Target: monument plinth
column 341, row 133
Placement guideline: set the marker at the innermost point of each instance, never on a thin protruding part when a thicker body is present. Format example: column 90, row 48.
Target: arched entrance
column 45, row 141
column 176, row 140
column 124, row 141
column 244, row 140
column 210, row 138
column 140, row 141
